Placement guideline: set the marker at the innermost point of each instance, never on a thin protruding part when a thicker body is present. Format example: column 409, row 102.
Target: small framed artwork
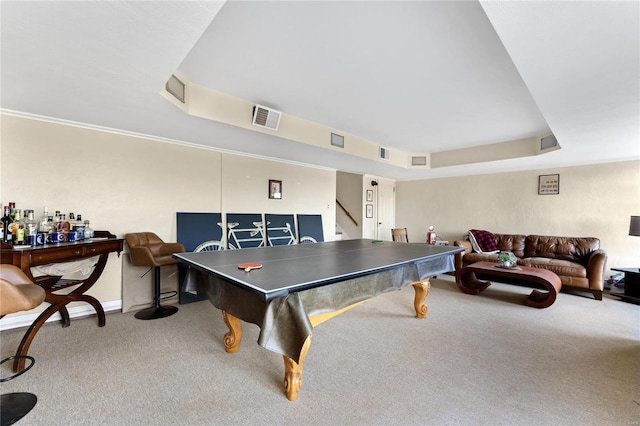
column 369, row 195
column 369, row 211
column 275, row 189
column 548, row 184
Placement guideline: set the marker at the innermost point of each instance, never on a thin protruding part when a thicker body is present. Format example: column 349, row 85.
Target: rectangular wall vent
column 419, row 160
column 548, row 142
column 266, row 117
column 337, row 140
column 176, row 88
column 384, row 153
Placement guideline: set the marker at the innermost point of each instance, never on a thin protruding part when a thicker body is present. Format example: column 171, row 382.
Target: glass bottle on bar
column 2, row 229
column 56, row 220
column 88, row 231
column 6, row 221
column 31, row 228
column 42, row 221
column 78, row 226
column 12, row 208
column 50, row 230
column 17, row 229
column 63, row 224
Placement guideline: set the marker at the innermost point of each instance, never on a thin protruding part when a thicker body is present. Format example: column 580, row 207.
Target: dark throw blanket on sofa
column 485, row 240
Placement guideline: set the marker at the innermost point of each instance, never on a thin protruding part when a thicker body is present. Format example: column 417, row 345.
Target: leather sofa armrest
column 167, row 249
column 595, row 269
column 141, row 256
column 457, row 260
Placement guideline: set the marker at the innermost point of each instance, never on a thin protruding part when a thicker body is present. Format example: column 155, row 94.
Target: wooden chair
column 17, row 293
column 399, row 235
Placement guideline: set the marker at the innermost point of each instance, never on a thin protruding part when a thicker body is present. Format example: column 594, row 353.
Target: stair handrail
column 347, row 212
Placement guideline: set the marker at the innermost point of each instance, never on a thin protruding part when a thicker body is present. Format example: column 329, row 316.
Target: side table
column 25, row 257
column 631, row 284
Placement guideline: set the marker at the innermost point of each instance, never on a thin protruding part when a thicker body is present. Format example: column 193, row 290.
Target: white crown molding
column 53, row 120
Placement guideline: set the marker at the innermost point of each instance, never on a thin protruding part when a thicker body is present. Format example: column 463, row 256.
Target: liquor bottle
column 63, row 224
column 42, row 222
column 88, row 231
column 2, row 229
column 17, row 229
column 30, row 229
column 6, row 222
column 12, row 207
column 79, row 227
column 51, row 229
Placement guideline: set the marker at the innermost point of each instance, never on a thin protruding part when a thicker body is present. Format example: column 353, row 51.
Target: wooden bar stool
column 17, row 293
column 147, row 249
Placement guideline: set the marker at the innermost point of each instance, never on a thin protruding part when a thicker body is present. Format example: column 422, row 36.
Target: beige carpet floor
column 475, row 360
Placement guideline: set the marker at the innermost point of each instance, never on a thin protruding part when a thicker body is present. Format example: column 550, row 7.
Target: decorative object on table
column 432, row 237
column 548, row 184
column 369, row 211
column 275, row 189
column 507, row 259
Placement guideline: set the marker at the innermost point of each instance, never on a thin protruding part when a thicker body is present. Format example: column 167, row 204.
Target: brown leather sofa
column 579, row 262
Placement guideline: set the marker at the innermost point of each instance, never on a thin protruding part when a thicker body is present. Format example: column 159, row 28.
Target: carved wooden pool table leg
column 233, row 338
column 422, row 291
column 293, row 372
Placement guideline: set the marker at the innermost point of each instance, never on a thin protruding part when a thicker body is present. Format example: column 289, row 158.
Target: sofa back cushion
column 511, row 242
column 566, row 248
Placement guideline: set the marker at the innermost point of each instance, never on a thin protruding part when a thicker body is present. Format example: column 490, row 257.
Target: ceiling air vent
column 266, row 117
column 419, row 160
column 337, row 140
column 176, row 88
column 548, row 142
column 384, row 153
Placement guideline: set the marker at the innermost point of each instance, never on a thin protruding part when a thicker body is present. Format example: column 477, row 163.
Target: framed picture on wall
column 369, row 195
column 369, row 211
column 275, row 189
column 548, row 184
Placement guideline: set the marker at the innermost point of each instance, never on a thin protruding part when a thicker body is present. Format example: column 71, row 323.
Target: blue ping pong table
column 300, row 286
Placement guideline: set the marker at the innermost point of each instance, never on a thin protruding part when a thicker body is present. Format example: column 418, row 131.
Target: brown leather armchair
column 17, row 293
column 147, row 249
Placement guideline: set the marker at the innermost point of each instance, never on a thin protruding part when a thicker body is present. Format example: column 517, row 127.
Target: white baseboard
column 8, row 323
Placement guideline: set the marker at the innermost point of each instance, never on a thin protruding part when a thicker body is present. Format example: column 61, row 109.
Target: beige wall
column 128, row 184
column 349, row 190
column 595, row 200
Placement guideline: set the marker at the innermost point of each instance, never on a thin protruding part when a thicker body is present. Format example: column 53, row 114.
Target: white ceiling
column 421, row 77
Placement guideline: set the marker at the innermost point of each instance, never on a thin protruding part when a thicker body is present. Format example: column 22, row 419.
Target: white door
column 385, row 213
